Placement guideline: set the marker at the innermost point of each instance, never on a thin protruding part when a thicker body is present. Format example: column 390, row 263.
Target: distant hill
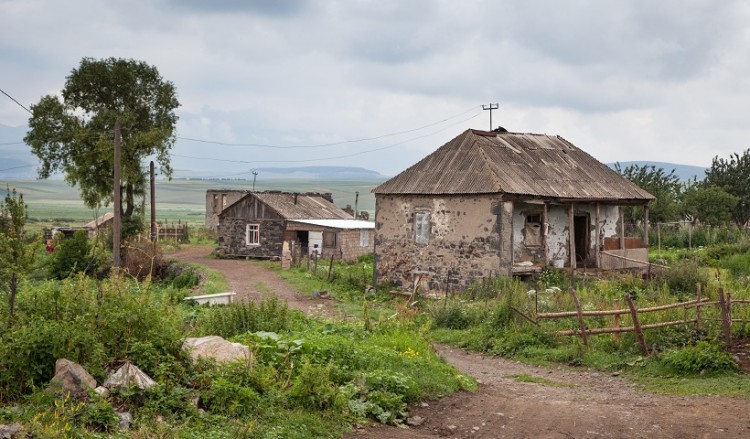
column 684, row 172
column 328, row 172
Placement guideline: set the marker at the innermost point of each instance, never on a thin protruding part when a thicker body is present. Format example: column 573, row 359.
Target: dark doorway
column 581, row 235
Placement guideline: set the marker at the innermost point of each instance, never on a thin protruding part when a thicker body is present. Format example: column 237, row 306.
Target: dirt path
column 570, row 403
column 252, row 281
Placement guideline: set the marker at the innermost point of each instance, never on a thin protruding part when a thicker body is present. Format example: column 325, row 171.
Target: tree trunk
column 13, row 291
column 129, row 201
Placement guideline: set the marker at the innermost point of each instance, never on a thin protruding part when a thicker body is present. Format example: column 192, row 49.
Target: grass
column 526, row 378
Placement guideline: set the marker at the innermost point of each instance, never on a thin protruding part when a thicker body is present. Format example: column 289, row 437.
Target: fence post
column 726, row 328
column 616, row 304
column 581, row 324
column 698, row 307
column 636, row 324
column 330, row 268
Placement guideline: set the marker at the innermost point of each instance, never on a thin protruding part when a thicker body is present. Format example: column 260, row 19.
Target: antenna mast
column 490, row 107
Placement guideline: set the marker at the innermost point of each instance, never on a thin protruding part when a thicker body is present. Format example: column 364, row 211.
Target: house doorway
column 581, row 227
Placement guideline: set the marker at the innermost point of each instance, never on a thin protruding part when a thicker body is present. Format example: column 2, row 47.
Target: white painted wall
column 315, row 242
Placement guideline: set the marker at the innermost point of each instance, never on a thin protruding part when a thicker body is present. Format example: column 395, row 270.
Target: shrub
column 700, row 358
column 100, row 415
column 313, row 389
column 143, row 259
column 271, row 315
column 684, row 275
column 71, row 256
column 449, row 314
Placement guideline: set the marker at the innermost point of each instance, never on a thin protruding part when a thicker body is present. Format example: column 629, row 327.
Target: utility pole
column 153, row 202
column 116, row 221
column 490, row 107
column 255, row 174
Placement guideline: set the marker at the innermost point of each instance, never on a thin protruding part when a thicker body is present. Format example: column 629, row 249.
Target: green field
column 54, row 202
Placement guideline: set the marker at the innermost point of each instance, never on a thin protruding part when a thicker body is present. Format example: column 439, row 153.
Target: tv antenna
column 490, row 107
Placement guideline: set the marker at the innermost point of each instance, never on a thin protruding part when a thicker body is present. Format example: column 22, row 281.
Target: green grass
column 526, row 378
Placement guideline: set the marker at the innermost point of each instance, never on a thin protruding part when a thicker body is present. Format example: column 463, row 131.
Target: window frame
column 327, row 239
column 422, row 226
column 364, row 238
column 255, row 229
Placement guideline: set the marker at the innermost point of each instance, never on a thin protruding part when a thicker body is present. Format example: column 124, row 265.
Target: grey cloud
column 274, row 8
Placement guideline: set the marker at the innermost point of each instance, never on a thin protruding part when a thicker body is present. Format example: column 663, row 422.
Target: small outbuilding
column 493, row 203
column 258, row 225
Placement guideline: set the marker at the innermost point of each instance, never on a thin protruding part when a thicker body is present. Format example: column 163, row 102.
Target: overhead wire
column 321, row 145
column 14, row 100
column 354, row 154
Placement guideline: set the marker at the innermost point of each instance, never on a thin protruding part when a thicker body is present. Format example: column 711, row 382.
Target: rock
column 11, row 431
column 129, row 375
column 217, row 348
column 423, row 404
column 125, row 419
column 70, row 377
column 102, row 391
column 415, row 421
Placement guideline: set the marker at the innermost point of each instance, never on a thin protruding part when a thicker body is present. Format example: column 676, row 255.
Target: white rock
column 129, row 375
column 217, row 348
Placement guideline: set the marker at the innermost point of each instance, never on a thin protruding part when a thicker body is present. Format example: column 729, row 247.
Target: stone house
column 259, row 223
column 489, row 203
column 218, row 200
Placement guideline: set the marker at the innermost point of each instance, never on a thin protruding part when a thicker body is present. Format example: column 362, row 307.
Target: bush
column 143, row 259
column 684, row 275
column 703, row 357
column 71, row 256
column 271, row 315
column 449, row 314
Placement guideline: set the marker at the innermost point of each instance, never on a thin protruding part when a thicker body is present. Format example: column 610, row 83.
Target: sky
column 383, row 83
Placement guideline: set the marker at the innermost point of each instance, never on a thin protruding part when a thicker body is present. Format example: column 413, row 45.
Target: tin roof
column 536, row 165
column 100, row 221
column 339, row 223
column 296, row 206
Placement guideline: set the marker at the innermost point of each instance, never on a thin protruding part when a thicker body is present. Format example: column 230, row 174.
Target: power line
column 320, row 145
column 17, row 167
column 326, row 158
column 14, row 100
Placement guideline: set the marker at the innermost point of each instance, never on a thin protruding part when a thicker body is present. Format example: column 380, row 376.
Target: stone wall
column 216, row 201
column 464, row 239
column 348, row 243
column 232, row 242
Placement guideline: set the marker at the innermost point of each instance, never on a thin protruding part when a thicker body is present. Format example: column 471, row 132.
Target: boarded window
column 252, row 234
column 532, row 230
column 422, row 227
column 329, row 239
column 364, row 238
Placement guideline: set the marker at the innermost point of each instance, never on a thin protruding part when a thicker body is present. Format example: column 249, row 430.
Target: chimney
column 328, row 196
column 295, row 198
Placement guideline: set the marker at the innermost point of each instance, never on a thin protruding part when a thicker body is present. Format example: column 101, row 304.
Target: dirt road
column 251, row 281
column 568, row 403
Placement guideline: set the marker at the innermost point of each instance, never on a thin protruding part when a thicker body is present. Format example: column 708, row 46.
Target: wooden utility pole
column 117, row 220
column 356, row 203
column 153, row 202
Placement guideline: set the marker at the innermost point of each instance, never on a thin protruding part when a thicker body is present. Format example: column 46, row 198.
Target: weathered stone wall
column 464, row 240
column 348, row 243
column 216, row 201
column 232, row 242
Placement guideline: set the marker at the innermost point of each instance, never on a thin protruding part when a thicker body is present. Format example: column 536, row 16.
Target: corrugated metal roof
column 100, row 220
column 536, row 165
column 339, row 223
column 301, row 206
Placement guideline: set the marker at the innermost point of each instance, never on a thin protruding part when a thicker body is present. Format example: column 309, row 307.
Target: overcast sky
column 664, row 80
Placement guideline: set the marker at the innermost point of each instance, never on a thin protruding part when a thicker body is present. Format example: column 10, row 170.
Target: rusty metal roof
column 536, row 165
column 301, row 206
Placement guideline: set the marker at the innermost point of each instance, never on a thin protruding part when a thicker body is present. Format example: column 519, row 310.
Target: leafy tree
column 709, row 204
column 74, row 135
column 733, row 175
column 662, row 185
column 14, row 255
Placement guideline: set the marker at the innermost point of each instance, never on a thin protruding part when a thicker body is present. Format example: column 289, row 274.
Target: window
column 329, row 239
column 532, row 231
column 216, row 204
column 364, row 238
column 422, row 227
column 223, row 201
column 252, row 234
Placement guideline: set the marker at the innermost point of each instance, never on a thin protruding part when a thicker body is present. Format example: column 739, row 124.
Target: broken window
column 329, row 239
column 364, row 238
column 252, row 234
column 422, row 227
column 532, row 230
column 216, row 204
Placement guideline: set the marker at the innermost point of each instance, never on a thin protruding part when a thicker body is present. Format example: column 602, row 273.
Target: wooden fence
column 725, row 306
column 176, row 231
